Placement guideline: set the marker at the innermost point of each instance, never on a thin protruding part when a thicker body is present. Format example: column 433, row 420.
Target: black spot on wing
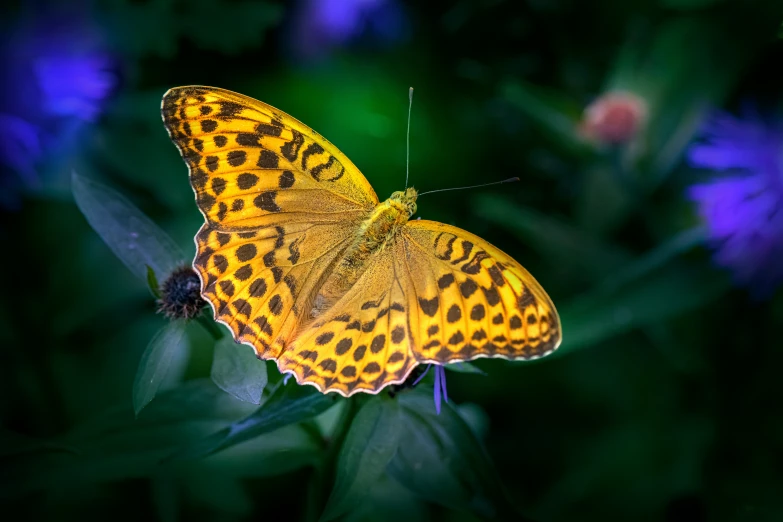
column 429, row 306
column 266, row 201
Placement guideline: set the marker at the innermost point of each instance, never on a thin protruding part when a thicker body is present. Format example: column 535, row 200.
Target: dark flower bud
column 180, row 294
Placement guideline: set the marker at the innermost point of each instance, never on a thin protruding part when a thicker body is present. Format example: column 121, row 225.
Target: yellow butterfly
column 301, row 261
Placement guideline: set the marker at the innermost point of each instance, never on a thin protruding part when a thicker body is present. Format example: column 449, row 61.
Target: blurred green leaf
column 237, row 370
column 132, row 236
column 368, row 448
column 155, row 362
column 439, row 459
column 288, row 404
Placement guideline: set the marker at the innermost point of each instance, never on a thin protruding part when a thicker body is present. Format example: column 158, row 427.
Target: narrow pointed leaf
column 237, row 370
column 132, row 236
column 165, row 347
column 369, row 446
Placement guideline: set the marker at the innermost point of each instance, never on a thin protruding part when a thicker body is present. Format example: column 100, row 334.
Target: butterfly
column 300, row 260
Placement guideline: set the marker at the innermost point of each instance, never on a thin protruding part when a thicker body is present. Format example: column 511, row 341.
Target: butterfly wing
column 280, row 204
column 437, row 294
column 468, row 299
column 252, row 165
column 363, row 342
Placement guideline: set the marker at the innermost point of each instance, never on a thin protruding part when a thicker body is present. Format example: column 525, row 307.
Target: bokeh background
column 648, row 139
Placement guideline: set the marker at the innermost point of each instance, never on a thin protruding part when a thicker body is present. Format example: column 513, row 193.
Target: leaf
column 369, row 446
column 132, row 236
column 155, row 362
column 288, row 404
column 439, row 459
column 464, row 367
column 237, row 370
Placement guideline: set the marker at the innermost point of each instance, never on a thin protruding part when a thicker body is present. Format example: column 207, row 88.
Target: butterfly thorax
column 376, row 232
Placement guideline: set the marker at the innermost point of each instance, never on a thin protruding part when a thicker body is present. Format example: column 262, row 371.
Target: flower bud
column 614, row 118
column 180, row 294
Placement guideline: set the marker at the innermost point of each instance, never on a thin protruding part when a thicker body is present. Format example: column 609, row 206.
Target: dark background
column 663, row 402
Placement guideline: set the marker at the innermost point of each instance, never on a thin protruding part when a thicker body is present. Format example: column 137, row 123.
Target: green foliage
column 451, row 467
column 370, row 444
column 237, row 370
column 287, row 405
column 132, row 236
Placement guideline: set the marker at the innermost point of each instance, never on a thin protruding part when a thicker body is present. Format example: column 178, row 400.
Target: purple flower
column 57, row 76
column 440, row 384
column 322, row 25
column 743, row 208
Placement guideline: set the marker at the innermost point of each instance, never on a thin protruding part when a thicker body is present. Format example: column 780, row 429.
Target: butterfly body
column 300, row 260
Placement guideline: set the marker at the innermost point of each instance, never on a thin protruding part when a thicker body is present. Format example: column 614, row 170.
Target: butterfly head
column 406, row 200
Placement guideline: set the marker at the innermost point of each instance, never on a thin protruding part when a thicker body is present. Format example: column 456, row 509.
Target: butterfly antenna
column 509, row 180
column 408, row 137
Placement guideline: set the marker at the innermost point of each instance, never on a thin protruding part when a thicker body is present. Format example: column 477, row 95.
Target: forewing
column 363, row 342
column 280, row 203
column 468, row 299
column 252, row 165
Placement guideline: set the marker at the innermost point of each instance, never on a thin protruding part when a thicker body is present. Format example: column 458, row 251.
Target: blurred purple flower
column 322, row 25
column 440, row 392
column 57, row 75
column 744, row 209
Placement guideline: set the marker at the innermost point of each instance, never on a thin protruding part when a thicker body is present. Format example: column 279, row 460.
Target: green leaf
column 237, row 370
column 152, row 282
column 289, row 404
column 155, row 362
column 132, row 236
column 439, row 459
column 369, row 446
column 464, row 367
